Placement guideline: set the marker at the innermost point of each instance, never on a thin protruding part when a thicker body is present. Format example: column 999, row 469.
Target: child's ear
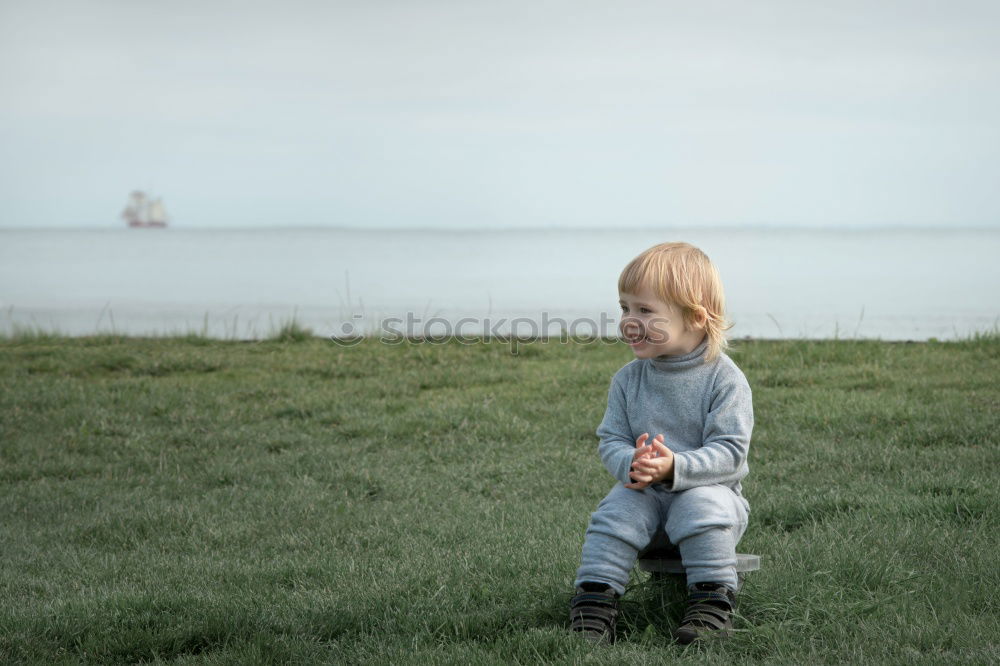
column 699, row 317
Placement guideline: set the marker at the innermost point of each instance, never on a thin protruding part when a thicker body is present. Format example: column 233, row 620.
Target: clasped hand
column 651, row 463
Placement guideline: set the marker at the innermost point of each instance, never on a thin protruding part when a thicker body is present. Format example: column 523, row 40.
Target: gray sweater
column 704, row 411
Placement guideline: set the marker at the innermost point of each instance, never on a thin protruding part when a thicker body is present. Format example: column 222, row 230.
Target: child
column 686, row 392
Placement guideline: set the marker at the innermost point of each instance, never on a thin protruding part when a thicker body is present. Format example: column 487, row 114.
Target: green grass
column 190, row 500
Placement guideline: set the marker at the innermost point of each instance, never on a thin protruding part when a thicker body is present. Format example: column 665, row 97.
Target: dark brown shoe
column 594, row 612
column 709, row 613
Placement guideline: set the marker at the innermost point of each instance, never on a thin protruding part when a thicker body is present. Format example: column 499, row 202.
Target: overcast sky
column 490, row 114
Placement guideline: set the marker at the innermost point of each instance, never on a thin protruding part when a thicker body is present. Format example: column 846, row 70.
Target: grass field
column 189, row 500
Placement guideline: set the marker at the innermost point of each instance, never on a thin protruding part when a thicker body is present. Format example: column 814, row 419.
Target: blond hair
column 681, row 274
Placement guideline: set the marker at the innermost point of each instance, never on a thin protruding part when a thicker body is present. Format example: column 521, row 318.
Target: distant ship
column 141, row 211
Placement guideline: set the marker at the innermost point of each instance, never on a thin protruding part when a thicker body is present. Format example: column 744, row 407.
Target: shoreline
column 293, row 332
column 264, row 324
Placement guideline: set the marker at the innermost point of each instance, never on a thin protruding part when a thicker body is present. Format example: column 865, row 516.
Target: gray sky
column 504, row 113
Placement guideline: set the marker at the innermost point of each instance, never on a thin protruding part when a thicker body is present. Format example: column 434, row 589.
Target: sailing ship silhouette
column 144, row 211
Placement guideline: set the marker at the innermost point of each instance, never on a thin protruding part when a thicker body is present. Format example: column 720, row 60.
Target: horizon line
column 679, row 227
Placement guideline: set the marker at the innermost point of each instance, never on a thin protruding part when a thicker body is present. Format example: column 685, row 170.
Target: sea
column 887, row 284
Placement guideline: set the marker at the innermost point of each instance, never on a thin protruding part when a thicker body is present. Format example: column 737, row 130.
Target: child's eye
column 644, row 310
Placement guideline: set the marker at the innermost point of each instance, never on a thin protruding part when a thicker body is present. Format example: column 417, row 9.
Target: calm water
column 893, row 285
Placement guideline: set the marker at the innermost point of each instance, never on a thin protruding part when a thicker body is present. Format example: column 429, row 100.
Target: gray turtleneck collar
column 689, row 360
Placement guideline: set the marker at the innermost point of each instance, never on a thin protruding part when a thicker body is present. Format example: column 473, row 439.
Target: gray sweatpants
column 705, row 523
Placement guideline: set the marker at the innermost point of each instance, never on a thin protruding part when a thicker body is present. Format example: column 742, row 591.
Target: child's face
column 655, row 328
